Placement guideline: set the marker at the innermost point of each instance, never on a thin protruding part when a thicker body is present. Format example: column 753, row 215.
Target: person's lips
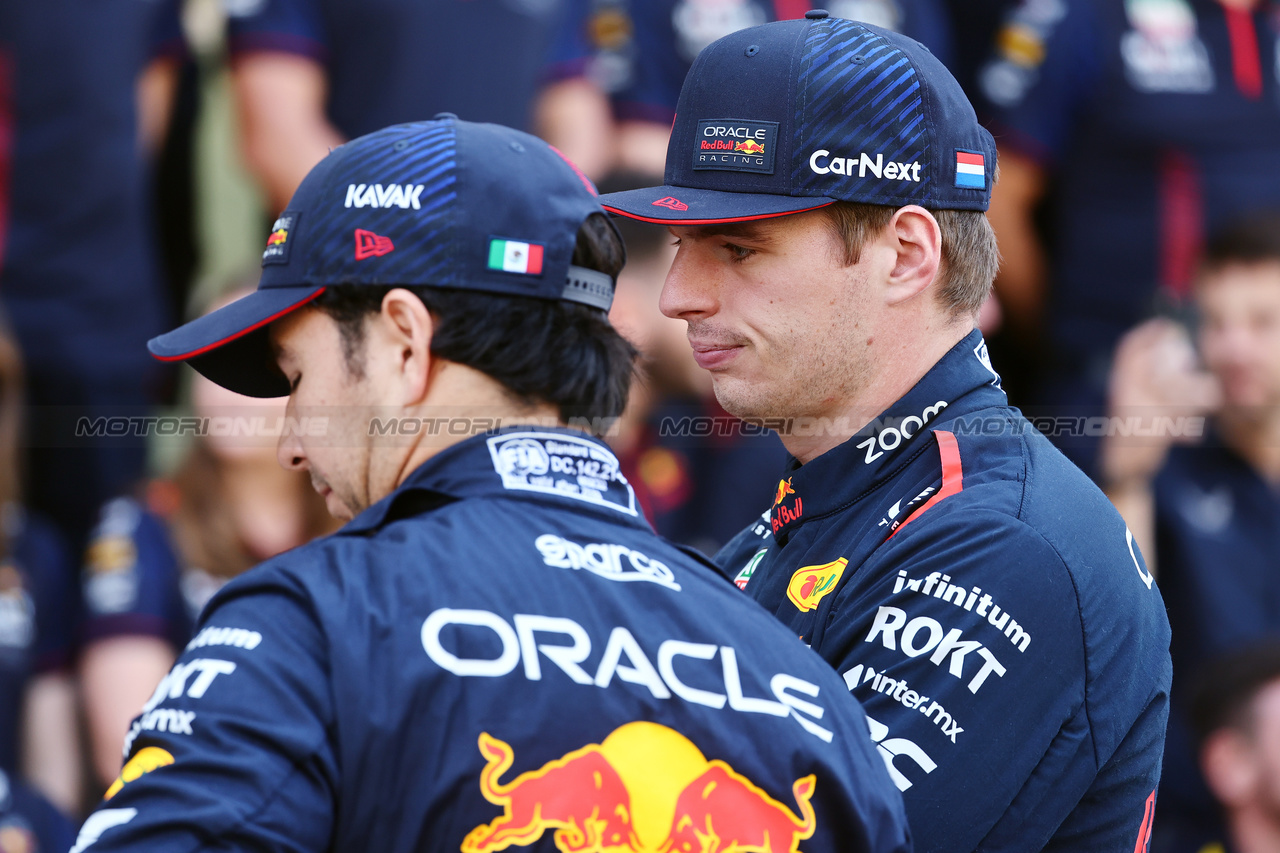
column 320, row 486
column 710, row 355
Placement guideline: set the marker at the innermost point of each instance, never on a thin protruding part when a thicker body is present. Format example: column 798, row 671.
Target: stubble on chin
column 745, row 400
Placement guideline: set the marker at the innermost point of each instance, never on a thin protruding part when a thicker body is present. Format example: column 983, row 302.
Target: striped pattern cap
column 443, row 203
column 794, row 115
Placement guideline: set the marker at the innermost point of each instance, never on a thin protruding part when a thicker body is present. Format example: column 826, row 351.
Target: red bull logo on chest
column 644, row 789
column 779, row 514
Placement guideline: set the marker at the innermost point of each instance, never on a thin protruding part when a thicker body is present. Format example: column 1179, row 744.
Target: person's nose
column 289, row 451
column 690, row 289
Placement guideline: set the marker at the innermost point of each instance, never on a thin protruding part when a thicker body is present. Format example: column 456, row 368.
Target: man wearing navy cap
column 496, row 652
column 826, row 181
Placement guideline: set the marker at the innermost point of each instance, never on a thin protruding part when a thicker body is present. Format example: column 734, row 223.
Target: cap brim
column 231, row 346
column 687, row 206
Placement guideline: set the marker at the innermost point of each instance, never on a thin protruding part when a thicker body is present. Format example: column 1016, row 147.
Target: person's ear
column 1230, row 767
column 405, row 328
column 914, row 236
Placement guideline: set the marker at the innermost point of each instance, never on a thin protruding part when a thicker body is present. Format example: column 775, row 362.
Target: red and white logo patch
column 370, row 245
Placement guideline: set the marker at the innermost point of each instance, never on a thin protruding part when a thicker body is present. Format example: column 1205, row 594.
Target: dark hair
column 1253, row 240
column 1225, row 687
column 540, row 350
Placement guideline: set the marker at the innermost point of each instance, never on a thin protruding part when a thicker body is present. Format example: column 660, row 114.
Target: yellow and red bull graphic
column 148, row 759
column 811, row 584
column 277, row 237
column 644, row 789
column 749, row 147
column 780, row 515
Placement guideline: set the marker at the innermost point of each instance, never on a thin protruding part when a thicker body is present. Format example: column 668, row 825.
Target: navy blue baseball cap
column 444, row 203
column 795, row 115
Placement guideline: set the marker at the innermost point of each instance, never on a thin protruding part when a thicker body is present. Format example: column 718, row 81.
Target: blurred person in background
column 39, row 735
column 310, row 74
column 610, row 91
column 1206, row 515
column 84, row 97
column 1236, row 710
column 1127, row 132
column 973, row 25
column 28, row 823
column 155, row 559
column 698, row 475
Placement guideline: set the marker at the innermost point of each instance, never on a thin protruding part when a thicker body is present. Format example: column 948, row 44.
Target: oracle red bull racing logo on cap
column 278, row 243
column 645, row 789
column 735, row 145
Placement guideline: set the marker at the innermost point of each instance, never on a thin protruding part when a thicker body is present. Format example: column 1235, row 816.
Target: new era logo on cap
column 971, row 172
column 671, row 203
column 514, row 256
column 370, row 245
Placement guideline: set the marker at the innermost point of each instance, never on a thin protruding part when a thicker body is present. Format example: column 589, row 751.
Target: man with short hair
column 495, row 652
column 1235, row 710
column 826, row 181
column 1137, row 129
column 1195, row 476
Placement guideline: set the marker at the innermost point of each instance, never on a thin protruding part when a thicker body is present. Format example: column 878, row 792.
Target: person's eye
column 675, row 241
column 738, row 254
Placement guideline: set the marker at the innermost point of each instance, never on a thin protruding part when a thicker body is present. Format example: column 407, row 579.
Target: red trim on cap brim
column 722, row 221
column 240, row 334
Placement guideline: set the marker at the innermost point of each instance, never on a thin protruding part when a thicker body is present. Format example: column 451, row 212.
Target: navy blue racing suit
column 987, row 606
column 500, row 654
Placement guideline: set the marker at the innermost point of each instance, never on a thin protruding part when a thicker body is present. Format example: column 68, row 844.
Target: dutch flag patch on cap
column 971, row 172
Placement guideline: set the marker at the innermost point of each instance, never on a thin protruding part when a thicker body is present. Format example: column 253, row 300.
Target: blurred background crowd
column 147, row 145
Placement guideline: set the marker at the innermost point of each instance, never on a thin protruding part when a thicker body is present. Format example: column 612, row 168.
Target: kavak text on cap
column 795, row 115
column 443, row 203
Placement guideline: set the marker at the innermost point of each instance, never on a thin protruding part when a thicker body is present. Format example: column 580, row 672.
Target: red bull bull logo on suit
column 644, row 789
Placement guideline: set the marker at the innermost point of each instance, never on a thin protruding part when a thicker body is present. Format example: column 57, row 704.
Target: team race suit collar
column 962, row 382
column 521, row 463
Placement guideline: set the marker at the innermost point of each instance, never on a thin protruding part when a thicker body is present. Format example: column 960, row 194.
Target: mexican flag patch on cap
column 514, row 256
